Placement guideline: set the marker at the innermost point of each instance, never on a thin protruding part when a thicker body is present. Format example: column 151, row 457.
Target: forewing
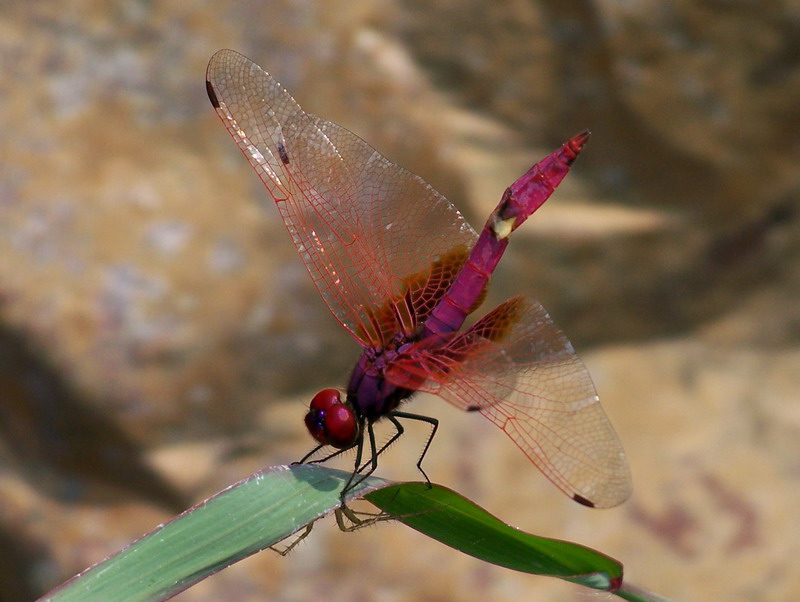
column 518, row 369
column 368, row 231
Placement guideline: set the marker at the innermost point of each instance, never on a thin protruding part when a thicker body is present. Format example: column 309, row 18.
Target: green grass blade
column 275, row 503
column 446, row 516
column 237, row 522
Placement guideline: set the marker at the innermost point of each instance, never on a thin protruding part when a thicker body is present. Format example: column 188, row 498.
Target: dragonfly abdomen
column 461, row 298
column 519, row 201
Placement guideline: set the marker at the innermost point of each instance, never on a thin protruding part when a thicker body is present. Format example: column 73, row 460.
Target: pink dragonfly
column 400, row 269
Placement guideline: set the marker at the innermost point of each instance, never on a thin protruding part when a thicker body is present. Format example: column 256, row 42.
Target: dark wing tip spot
column 582, row 500
column 473, row 408
column 212, row 96
column 283, row 154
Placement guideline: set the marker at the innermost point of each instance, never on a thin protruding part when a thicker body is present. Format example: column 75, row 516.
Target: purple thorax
column 370, row 393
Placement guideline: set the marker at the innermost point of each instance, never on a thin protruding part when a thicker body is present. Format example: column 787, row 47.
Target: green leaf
column 237, row 522
column 448, row 517
column 275, row 503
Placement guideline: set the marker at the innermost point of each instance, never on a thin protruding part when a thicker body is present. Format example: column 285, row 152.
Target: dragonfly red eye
column 331, row 421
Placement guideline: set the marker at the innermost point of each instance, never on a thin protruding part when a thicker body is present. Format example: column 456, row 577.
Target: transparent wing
column 518, row 369
column 379, row 243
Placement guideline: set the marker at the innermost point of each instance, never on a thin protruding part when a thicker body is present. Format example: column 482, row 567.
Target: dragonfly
column 401, row 269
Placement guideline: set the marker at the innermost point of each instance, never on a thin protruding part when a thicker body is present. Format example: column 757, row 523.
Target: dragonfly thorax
column 371, row 395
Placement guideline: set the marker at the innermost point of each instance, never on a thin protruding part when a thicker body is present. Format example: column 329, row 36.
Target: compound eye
column 341, row 426
column 325, row 399
column 331, row 421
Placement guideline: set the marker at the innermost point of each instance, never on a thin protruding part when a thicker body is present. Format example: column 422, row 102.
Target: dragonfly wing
column 518, row 369
column 369, row 232
column 415, row 233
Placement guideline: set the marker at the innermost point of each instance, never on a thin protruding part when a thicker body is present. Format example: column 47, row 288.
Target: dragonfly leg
column 374, row 461
column 348, row 519
column 305, row 459
column 285, row 551
column 371, row 466
column 366, row 469
column 434, row 427
column 357, row 468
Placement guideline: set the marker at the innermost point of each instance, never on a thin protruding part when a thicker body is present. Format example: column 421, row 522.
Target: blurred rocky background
column 159, row 337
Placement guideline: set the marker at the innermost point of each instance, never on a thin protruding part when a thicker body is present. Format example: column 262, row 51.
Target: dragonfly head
column 332, row 421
